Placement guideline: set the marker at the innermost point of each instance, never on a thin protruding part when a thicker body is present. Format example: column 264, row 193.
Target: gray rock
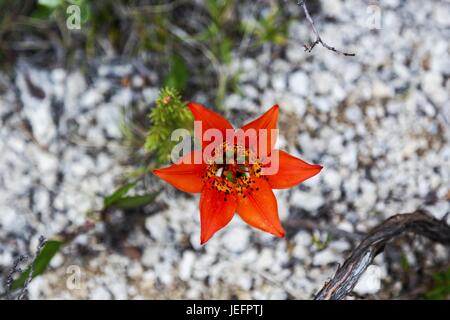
column 307, row 200
column 236, row 239
column 370, row 281
column 299, row 83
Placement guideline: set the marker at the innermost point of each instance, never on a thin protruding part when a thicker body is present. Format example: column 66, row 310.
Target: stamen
column 236, row 174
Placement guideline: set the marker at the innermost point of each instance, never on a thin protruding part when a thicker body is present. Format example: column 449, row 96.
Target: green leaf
column 41, row 262
column 213, row 8
column 169, row 114
column 178, row 74
column 85, row 10
column 225, row 50
column 279, row 39
column 136, row 201
column 218, row 9
column 42, row 12
column 117, row 195
column 441, row 288
column 404, row 263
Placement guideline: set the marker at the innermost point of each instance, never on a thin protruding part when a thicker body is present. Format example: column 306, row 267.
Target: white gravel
column 378, row 123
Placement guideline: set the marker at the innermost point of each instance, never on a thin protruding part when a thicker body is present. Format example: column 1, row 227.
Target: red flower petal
column 259, row 208
column 216, row 210
column 209, row 119
column 267, row 121
column 292, row 170
column 187, row 176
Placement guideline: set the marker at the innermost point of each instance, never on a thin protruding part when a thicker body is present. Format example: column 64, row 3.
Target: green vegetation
column 170, row 113
column 190, row 45
column 441, row 288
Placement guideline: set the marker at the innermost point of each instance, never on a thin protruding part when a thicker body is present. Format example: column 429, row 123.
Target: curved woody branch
column 347, row 275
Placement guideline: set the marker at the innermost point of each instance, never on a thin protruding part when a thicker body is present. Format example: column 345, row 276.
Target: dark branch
column 319, row 40
column 348, row 274
column 16, row 269
column 24, row 292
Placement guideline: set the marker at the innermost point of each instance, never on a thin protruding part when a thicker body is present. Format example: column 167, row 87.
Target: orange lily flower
column 227, row 188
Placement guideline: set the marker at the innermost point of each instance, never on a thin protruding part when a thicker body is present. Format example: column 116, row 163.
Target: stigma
column 232, row 169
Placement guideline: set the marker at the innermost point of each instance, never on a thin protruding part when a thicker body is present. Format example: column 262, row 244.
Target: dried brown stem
column 318, row 40
column 347, row 275
column 16, row 269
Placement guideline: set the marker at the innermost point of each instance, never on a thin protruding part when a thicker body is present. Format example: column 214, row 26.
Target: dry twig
column 16, row 269
column 318, row 40
column 347, row 275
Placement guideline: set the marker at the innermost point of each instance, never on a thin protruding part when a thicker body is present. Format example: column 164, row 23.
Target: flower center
column 235, row 167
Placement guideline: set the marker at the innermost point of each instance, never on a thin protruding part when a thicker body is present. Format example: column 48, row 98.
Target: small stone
column 346, row 226
column 108, row 117
column 150, row 257
column 245, row 281
column 303, row 241
column 295, row 53
column 123, row 97
column 118, row 289
column 339, row 245
column 335, row 145
column 332, row 8
column 325, row 257
column 323, row 82
column 6, row 259
column 353, row 114
column 91, row 98
column 58, row 75
column 122, row 70
column 293, row 103
column 42, row 125
column 303, row 238
column 249, row 91
column 186, row 265
column 283, row 204
column 100, row 293
column 352, row 72
column 237, row 239
column 57, row 261
column 299, row 83
column 392, row 3
column 323, row 104
column 279, row 82
column 135, row 271
column 439, row 209
column 349, row 156
column 265, row 259
column 370, row 281
column 332, row 178
column 37, row 287
column 137, row 81
column 307, row 200
column 263, row 80
column 381, row 90
column 432, row 85
column 369, row 195
column 150, row 95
